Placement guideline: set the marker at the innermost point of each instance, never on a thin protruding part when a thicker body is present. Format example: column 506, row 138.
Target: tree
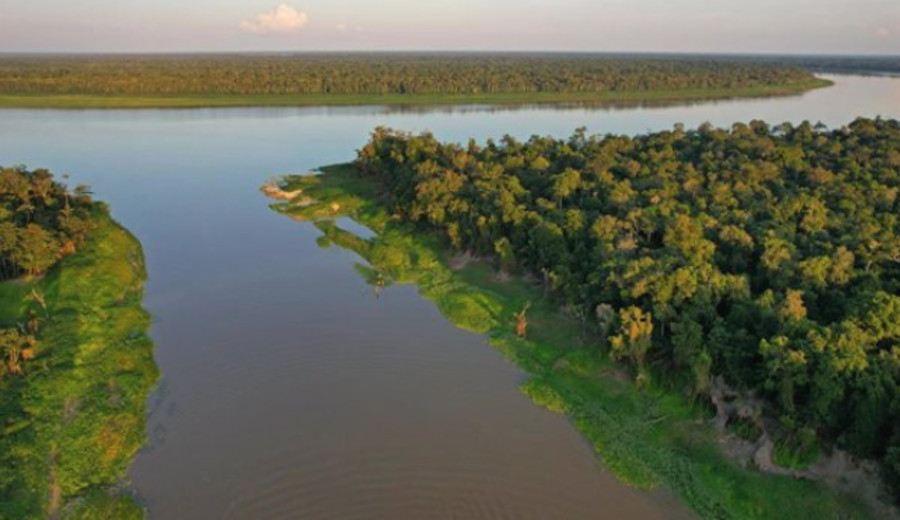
column 14, row 346
column 8, row 238
column 606, row 319
column 522, row 321
column 504, row 249
column 688, row 350
column 786, row 369
column 36, row 249
column 40, row 222
column 686, row 236
column 634, row 338
column 777, row 254
column 793, row 306
column 565, row 185
column 767, row 256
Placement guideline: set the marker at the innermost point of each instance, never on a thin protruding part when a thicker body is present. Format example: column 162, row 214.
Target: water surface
column 289, row 390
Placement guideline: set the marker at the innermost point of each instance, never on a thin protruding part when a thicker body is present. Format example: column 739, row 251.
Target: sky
column 728, row 26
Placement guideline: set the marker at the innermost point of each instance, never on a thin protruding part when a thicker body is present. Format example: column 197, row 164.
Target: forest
column 764, row 259
column 379, row 74
column 75, row 361
column 840, row 64
column 41, row 221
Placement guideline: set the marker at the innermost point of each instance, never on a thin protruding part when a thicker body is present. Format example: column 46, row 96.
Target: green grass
column 74, row 421
column 13, row 300
column 648, row 437
column 799, row 451
column 12, row 100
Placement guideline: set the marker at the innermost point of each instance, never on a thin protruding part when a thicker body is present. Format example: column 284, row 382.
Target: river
column 288, row 389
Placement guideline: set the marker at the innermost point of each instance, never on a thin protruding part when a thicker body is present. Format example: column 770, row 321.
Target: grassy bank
column 212, row 101
column 76, row 417
column 648, row 438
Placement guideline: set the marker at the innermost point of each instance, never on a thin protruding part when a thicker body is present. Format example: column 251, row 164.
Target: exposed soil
column 460, row 261
column 838, row 469
column 55, row 502
column 272, row 190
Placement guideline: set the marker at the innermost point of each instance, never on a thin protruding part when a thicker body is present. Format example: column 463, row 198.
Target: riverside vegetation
column 400, row 78
column 76, row 362
column 756, row 263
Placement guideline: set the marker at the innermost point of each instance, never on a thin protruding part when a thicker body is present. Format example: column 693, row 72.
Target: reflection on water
column 289, row 390
column 854, row 95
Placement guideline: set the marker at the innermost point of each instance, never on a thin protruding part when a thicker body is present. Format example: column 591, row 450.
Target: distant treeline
column 356, row 74
column 767, row 256
column 839, row 64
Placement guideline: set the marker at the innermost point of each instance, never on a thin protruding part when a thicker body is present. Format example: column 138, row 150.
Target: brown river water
column 288, row 389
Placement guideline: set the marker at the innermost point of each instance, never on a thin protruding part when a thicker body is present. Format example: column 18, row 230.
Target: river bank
column 652, row 437
column 77, row 416
column 11, row 100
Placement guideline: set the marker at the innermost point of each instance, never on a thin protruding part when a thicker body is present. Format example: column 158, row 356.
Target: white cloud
column 345, row 28
column 883, row 32
column 283, row 19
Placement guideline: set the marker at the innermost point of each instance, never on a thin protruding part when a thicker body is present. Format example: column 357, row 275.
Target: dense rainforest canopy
column 839, row 64
column 767, row 257
column 305, row 74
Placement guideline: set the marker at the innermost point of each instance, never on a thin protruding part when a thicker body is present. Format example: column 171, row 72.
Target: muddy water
column 289, row 390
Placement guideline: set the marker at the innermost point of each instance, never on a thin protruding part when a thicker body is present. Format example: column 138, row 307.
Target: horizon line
column 449, row 51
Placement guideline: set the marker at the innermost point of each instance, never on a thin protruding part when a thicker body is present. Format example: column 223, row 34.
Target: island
column 327, row 79
column 716, row 310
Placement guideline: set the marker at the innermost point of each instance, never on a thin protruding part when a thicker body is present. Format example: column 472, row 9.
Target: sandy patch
column 273, row 191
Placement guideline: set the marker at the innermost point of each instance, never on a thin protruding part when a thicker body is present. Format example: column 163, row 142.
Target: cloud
column 283, row 19
column 883, row 32
column 345, row 28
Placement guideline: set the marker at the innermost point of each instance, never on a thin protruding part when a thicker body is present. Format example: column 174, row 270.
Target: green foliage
column 689, row 351
column 35, row 249
column 769, row 256
column 75, row 417
column 745, row 429
column 892, row 466
column 647, row 437
column 634, row 338
column 505, row 253
column 840, row 64
column 797, row 450
column 41, row 221
column 101, row 504
column 657, row 97
column 379, row 74
column 543, row 394
column 470, row 309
